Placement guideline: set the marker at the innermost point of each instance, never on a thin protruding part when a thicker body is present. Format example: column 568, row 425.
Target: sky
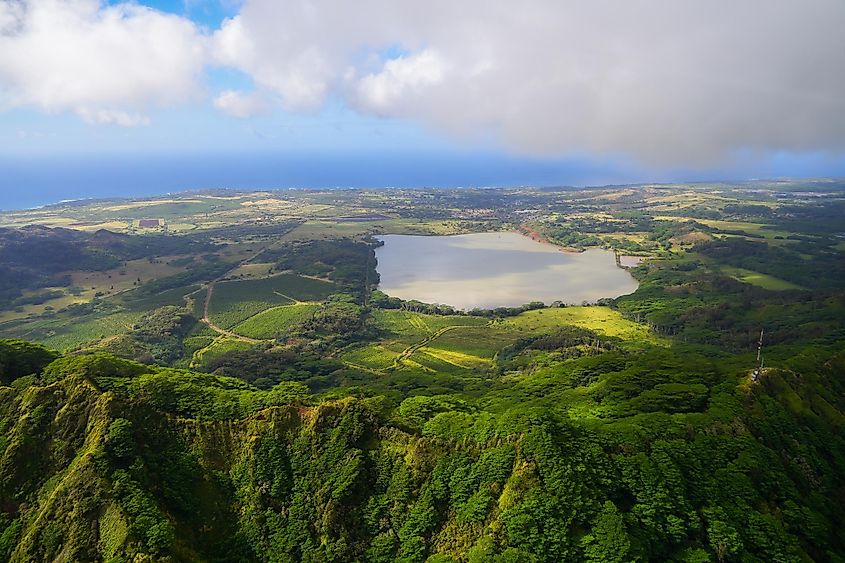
column 392, row 92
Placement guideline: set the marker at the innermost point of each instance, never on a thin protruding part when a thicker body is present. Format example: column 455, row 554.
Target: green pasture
column 194, row 343
column 328, row 229
column 458, row 344
column 134, row 301
column 482, row 342
column 405, row 324
column 66, row 332
column 203, row 357
column 233, row 302
column 760, row 280
column 450, row 360
column 602, row 320
column 277, row 321
column 374, row 356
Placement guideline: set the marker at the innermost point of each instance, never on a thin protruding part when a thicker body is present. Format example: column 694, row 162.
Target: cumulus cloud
column 382, row 91
column 109, row 64
column 666, row 81
column 240, row 104
column 113, row 117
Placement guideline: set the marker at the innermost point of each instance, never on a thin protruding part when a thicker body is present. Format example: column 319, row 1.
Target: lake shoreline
column 496, row 269
column 536, row 236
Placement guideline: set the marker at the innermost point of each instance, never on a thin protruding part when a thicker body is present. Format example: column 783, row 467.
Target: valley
column 325, row 375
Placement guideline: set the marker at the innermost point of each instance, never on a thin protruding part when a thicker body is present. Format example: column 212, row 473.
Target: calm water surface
column 489, row 270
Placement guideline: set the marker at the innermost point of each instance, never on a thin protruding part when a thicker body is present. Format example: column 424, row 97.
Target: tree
column 609, row 541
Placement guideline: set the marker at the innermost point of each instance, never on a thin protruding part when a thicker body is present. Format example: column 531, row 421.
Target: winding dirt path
column 410, row 350
column 218, row 329
column 293, row 300
column 210, row 292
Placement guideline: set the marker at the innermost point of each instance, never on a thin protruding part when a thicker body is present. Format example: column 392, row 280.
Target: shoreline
column 536, row 236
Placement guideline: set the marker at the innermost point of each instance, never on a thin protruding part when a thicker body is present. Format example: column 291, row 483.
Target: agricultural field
column 760, row 280
column 439, row 359
column 86, row 286
column 603, row 320
column 203, row 357
column 67, row 332
column 177, row 296
column 478, row 343
column 407, row 325
column 251, row 270
column 277, row 321
column 372, row 357
column 458, row 344
column 233, row 302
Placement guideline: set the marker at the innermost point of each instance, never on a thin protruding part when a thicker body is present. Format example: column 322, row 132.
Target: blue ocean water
column 32, row 181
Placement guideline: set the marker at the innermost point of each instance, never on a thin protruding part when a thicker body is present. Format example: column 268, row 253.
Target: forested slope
column 106, row 459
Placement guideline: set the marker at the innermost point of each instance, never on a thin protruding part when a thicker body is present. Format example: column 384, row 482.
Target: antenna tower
column 759, row 369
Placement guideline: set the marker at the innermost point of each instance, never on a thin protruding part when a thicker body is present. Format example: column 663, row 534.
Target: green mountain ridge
column 232, row 385
column 97, row 466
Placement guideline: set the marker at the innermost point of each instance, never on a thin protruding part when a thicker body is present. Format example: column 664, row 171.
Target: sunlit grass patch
column 603, row 320
column 233, row 302
column 66, row 332
column 760, row 280
column 406, row 324
column 455, row 358
column 374, row 356
column 435, row 363
column 482, row 342
column 276, row 322
column 205, row 356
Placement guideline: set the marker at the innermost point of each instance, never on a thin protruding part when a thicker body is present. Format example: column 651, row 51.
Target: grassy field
column 325, row 229
column 408, row 325
column 760, row 280
column 478, row 342
column 405, row 330
column 233, row 302
column 757, row 230
column 194, row 343
column 175, row 296
column 88, row 285
column 276, row 322
column 463, row 344
column 316, row 230
column 451, row 359
column 65, row 332
column 252, row 270
column 203, row 357
column 374, row 356
column 603, row 320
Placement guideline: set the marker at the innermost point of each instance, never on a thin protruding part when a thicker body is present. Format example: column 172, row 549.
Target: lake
column 488, row 270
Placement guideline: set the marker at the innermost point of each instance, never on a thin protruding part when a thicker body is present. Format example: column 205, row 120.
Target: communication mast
column 758, row 371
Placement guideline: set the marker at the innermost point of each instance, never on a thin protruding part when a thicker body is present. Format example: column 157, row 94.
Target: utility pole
column 758, row 371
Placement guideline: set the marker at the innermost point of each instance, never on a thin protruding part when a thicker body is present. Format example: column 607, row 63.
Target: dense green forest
column 255, row 397
column 107, row 459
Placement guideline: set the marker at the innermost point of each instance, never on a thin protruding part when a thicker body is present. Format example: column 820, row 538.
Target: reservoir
column 488, row 270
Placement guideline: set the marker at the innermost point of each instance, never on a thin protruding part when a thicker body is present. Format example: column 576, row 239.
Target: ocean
column 32, row 181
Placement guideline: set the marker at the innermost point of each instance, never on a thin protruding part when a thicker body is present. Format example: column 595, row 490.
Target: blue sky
column 546, row 92
column 208, row 13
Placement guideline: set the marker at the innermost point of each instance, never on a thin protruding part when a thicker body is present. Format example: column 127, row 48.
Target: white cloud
column 239, row 104
column 667, row 81
column 270, row 51
column 113, row 117
column 400, row 78
column 107, row 64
